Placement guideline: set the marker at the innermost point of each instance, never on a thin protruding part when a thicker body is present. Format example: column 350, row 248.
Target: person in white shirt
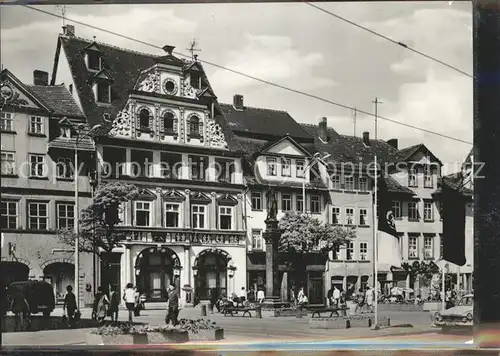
column 129, row 296
column 336, row 296
column 260, row 296
column 242, row 295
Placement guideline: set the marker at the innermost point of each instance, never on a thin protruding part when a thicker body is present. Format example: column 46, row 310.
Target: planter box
column 129, row 339
column 289, row 312
column 168, row 337
column 400, row 307
column 207, row 335
column 355, row 321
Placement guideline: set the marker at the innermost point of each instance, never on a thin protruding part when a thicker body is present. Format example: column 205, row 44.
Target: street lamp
column 316, row 158
column 78, row 128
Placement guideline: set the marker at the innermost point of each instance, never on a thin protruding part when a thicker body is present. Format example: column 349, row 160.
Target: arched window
column 144, row 117
column 169, row 122
column 194, row 129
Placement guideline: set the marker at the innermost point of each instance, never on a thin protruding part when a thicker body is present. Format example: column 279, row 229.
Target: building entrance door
column 316, row 291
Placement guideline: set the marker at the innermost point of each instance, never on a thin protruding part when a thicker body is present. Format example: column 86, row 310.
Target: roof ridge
column 256, row 108
column 112, row 46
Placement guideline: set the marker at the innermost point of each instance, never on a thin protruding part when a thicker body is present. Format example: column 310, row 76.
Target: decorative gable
column 149, row 82
column 146, row 194
column 122, row 124
column 93, row 47
column 215, row 136
column 173, row 195
column 227, row 199
column 103, row 74
column 15, row 93
column 200, row 198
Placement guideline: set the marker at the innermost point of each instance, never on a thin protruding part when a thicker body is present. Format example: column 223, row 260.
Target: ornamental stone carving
column 151, row 84
column 122, row 124
column 215, row 135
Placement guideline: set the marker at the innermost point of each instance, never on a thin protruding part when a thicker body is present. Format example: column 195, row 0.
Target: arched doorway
column 155, row 270
column 60, row 275
column 14, row 271
column 210, row 268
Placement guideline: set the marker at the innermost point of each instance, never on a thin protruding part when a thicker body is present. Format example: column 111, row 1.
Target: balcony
column 185, row 236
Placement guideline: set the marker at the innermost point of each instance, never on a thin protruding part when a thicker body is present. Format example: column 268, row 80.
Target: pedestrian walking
column 173, row 306
column 261, row 296
column 21, row 310
column 360, row 302
column 70, row 305
column 214, row 299
column 335, row 297
column 114, row 304
column 243, row 295
column 137, row 302
column 369, row 299
column 129, row 298
column 101, row 304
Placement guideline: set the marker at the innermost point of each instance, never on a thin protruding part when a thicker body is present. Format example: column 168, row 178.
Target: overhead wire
column 254, row 78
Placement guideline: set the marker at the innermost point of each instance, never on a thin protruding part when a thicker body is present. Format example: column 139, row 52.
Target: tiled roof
column 253, row 181
column 263, row 122
column 125, row 67
column 394, row 187
column 85, row 142
column 455, row 181
column 406, row 153
column 57, row 98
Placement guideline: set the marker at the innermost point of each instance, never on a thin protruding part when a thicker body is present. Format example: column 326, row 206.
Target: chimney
column 40, row 77
column 322, row 130
column 393, row 143
column 169, row 49
column 69, row 30
column 366, row 138
column 238, row 102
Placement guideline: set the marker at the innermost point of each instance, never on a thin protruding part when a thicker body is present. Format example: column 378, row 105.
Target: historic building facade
column 170, row 138
column 38, row 141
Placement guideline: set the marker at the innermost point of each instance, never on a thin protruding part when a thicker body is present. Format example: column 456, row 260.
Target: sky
column 300, row 47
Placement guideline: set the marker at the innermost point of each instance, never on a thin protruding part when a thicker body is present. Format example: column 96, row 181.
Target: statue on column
column 272, row 204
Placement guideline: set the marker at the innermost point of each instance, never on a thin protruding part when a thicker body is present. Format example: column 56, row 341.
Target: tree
column 98, row 231
column 303, row 234
column 420, row 269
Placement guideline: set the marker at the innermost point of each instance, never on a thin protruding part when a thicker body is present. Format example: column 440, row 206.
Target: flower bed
column 283, row 312
column 342, row 322
column 400, row 307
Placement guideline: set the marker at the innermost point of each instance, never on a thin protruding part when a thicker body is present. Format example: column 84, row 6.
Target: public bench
column 232, row 311
column 331, row 310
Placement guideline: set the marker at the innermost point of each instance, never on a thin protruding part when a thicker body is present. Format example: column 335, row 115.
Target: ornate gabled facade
column 170, row 138
column 37, row 190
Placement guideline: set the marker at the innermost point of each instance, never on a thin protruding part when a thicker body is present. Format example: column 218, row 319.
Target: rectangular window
column 286, row 170
column 413, row 210
column 428, row 178
column 299, row 169
column 198, row 165
column 36, row 125
column 336, row 253
column 428, row 211
column 103, row 92
column 300, row 203
column 412, row 178
column 170, row 165
column 336, row 217
column 224, row 170
column 363, row 251
column 349, row 216
column 37, row 164
column 94, row 61
column 256, row 200
column 8, row 163
column 64, row 167
column 336, row 182
column 363, row 184
column 38, row 216
column 195, row 80
column 6, row 122
column 396, row 209
column 350, row 251
column 198, row 215
column 412, row 247
column 142, row 163
column 286, row 202
column 363, row 217
column 8, row 213
column 171, row 215
column 349, row 183
column 257, row 240
column 271, row 166
column 65, row 216
column 315, row 204
column 428, row 247
column 142, row 213
column 225, row 217
column 114, row 161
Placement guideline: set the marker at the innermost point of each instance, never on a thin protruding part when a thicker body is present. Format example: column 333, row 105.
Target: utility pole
column 486, row 47
column 376, row 102
column 354, row 119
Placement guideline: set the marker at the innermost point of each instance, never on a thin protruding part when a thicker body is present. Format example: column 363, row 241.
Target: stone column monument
column 272, row 236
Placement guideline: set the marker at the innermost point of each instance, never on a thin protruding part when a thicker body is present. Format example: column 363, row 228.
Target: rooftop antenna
column 62, row 8
column 192, row 48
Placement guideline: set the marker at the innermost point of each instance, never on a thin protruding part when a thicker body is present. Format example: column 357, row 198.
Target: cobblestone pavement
column 243, row 329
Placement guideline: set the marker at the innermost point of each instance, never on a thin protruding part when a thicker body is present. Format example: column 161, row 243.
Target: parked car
column 38, row 294
column 459, row 316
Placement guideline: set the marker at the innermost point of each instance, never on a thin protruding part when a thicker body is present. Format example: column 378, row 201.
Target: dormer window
column 145, row 119
column 65, row 132
column 195, row 80
column 103, row 92
column 94, row 61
